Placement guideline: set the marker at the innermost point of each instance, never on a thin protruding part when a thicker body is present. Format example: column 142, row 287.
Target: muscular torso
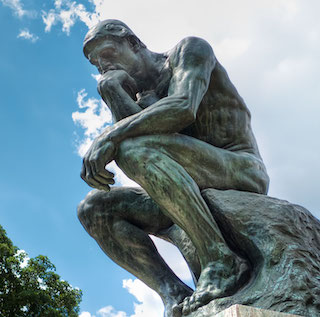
column 191, row 80
column 223, row 118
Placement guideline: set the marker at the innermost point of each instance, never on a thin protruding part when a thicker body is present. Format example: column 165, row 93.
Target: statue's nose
column 104, row 65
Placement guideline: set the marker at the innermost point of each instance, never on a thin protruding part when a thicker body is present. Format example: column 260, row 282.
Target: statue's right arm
column 118, row 90
column 192, row 63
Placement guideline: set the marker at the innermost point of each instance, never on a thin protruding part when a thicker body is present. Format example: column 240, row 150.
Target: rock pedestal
column 281, row 242
column 246, row 311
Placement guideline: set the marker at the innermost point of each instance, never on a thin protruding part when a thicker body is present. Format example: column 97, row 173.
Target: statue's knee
column 128, row 150
column 85, row 208
column 99, row 210
column 91, row 209
column 259, row 181
column 264, row 183
column 133, row 156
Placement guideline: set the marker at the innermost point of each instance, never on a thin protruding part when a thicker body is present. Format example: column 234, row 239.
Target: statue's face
column 109, row 54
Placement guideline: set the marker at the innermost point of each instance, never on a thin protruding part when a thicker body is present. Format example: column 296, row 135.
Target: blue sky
column 50, row 111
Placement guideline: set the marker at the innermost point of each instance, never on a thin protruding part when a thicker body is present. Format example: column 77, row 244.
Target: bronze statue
column 180, row 128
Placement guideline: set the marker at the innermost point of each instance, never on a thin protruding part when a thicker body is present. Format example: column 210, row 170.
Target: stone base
column 282, row 244
column 247, row 311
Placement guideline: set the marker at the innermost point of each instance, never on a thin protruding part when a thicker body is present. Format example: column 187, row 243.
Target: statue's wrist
column 113, row 137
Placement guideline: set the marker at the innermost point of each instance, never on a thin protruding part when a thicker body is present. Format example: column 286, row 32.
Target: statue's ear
column 134, row 42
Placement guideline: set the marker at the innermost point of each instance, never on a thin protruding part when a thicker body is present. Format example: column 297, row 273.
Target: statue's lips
column 108, row 67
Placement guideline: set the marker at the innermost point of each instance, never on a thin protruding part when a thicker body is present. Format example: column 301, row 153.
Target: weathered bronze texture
column 181, row 130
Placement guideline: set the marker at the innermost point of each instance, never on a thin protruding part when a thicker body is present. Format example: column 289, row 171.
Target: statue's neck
column 149, row 77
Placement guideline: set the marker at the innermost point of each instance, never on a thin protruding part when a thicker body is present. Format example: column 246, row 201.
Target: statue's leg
column 171, row 168
column 120, row 222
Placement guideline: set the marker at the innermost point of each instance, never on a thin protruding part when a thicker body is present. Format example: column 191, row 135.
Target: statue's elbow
column 189, row 112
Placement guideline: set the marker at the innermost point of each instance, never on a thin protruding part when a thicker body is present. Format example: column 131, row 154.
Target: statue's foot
column 216, row 280
column 172, row 303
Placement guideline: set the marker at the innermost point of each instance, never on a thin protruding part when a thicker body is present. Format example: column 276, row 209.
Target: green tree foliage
column 31, row 287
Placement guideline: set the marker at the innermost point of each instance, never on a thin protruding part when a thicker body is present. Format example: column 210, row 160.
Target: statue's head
column 110, row 29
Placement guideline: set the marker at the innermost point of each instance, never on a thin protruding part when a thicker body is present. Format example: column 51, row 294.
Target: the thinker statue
column 180, row 128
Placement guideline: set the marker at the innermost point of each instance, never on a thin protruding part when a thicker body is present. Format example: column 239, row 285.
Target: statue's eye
column 108, row 52
column 94, row 62
column 92, row 59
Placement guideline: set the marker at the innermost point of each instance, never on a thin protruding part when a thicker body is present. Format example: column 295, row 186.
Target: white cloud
column 86, row 314
column 49, row 19
column 109, row 311
column 96, row 77
column 96, row 116
column 16, row 6
column 288, row 8
column 68, row 13
column 231, row 48
column 58, row 4
column 26, row 34
column 94, row 120
column 150, row 302
column 288, row 72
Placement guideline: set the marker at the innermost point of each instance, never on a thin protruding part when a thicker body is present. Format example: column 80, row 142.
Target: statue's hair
column 112, row 29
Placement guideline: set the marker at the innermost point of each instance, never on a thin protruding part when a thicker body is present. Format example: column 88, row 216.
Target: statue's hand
column 93, row 171
column 113, row 79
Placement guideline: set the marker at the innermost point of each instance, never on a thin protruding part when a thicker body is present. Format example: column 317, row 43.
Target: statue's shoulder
column 191, row 49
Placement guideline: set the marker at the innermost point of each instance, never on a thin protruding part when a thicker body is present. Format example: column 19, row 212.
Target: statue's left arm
column 192, row 63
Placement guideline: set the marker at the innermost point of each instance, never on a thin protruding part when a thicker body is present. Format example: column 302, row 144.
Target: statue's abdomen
column 223, row 122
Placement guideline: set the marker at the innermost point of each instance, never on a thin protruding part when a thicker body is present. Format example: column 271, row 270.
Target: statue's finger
column 105, row 173
column 94, row 167
column 110, row 173
column 95, row 184
column 98, row 169
column 112, row 181
column 88, row 169
column 104, row 180
column 106, row 188
column 83, row 172
column 96, row 180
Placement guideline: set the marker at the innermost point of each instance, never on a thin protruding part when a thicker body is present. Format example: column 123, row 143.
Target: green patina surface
column 181, row 130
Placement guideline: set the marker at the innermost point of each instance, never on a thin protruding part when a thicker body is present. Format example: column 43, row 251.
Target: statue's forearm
column 120, row 103
column 169, row 115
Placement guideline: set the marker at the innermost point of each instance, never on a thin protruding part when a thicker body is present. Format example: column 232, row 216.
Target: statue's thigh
column 209, row 166
column 213, row 167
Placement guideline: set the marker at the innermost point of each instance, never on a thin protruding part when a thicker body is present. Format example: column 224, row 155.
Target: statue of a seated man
column 181, row 127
